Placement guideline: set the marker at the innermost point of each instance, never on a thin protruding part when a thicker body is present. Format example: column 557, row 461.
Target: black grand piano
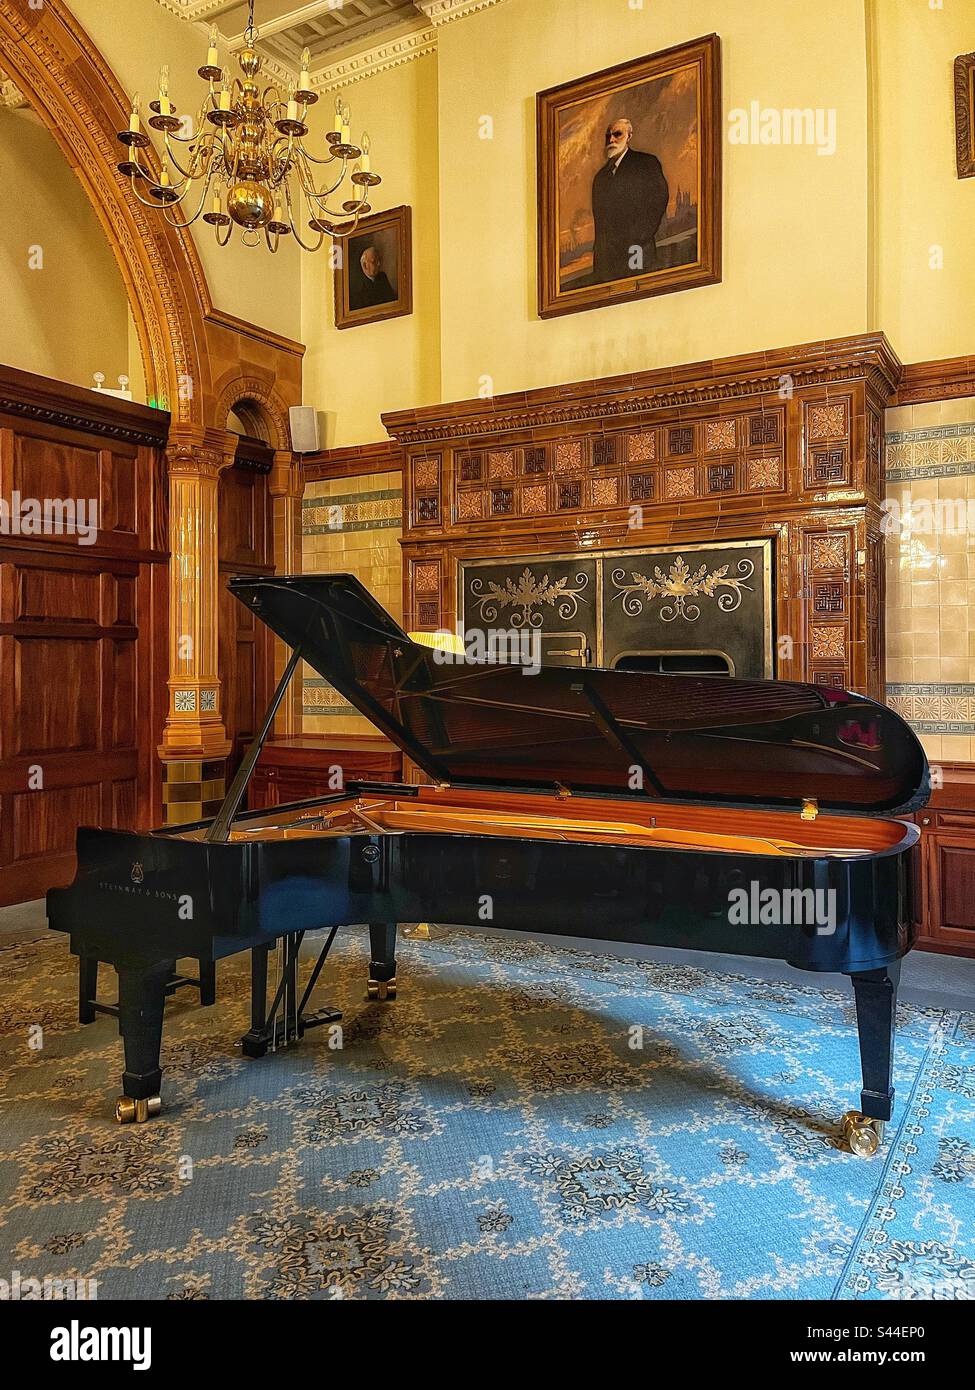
column 750, row 817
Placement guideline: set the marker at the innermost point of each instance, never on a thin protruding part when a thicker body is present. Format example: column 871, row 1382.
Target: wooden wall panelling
column 944, row 379
column 82, row 629
column 353, row 461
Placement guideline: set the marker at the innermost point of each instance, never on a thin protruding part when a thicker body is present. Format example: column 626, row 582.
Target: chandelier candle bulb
column 164, row 106
column 134, row 117
column 212, row 56
column 225, row 97
column 292, row 110
column 305, row 60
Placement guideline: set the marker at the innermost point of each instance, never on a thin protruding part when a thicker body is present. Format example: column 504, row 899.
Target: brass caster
column 863, row 1136
column 381, row 989
column 129, row 1111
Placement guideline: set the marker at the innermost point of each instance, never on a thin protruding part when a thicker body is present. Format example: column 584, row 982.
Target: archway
column 258, row 407
column 63, row 76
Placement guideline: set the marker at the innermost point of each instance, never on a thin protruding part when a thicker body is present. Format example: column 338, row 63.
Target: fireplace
column 768, row 464
column 691, row 609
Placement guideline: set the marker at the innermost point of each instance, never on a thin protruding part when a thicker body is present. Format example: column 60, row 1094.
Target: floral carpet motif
column 521, row 1122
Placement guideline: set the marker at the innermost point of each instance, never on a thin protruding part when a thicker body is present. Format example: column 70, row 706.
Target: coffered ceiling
column 337, row 32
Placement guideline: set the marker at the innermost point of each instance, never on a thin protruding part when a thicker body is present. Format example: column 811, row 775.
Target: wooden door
column 82, row 631
column 245, row 650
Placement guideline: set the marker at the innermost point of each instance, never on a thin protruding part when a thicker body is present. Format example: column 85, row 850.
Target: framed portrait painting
column 629, row 180
column 374, row 275
column 965, row 115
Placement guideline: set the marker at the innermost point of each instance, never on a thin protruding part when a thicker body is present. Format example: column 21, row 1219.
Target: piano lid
column 588, row 731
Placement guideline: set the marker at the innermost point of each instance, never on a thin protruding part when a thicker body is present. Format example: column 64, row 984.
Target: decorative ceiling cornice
column 374, row 60
column 192, row 9
column 382, row 57
column 370, row 56
column 867, row 357
column 443, row 11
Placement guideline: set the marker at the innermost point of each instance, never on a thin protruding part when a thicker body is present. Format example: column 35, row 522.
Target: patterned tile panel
column 935, row 709
column 941, row 451
column 365, row 543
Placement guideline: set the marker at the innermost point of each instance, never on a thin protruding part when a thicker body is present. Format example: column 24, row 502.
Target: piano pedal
column 129, row 1111
column 318, row 1019
column 862, row 1135
column 381, row 989
column 258, row 1042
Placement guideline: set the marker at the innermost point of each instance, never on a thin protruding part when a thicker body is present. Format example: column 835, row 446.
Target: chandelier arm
column 194, row 162
column 199, row 120
column 329, row 159
column 230, row 232
column 154, row 203
column 294, row 228
column 188, row 222
column 344, row 232
column 308, row 183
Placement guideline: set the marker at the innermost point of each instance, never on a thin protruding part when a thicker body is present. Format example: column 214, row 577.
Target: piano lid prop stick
column 220, row 829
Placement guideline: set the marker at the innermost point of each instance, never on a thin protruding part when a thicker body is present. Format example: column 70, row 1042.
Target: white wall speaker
column 304, row 429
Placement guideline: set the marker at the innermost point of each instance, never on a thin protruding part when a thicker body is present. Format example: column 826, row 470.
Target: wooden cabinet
column 946, row 864
column 308, row 765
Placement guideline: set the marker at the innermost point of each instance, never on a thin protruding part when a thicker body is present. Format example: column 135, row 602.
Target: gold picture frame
column 380, row 287
column 629, row 180
column 965, row 115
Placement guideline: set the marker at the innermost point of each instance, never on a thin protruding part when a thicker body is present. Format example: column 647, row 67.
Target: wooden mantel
column 785, row 444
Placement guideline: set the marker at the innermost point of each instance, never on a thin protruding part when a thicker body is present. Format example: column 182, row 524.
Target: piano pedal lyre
column 129, row 1111
column 862, row 1135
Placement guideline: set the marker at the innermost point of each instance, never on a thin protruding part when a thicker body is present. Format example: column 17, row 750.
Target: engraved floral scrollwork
column 679, row 584
column 527, row 596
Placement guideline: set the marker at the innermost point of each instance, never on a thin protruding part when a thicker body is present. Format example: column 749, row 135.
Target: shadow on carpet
column 522, row 1122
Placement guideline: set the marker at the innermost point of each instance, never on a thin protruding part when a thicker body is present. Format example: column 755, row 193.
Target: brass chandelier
column 245, row 154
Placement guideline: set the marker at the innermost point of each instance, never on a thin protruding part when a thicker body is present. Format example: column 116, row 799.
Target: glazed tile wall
column 930, row 666
column 351, row 525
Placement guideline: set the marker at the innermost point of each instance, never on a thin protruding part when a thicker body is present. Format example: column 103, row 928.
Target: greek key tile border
column 362, row 511
column 935, row 709
column 321, row 699
column 938, row 451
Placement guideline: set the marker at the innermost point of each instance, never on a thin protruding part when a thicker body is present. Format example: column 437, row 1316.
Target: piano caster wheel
column 863, row 1135
column 129, row 1111
column 381, row 989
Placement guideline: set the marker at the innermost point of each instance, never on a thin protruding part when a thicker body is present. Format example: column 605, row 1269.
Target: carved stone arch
column 260, row 408
column 70, row 87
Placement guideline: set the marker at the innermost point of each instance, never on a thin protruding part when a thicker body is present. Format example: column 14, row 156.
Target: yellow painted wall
column 926, row 310
column 67, row 318
column 350, row 375
column 794, row 244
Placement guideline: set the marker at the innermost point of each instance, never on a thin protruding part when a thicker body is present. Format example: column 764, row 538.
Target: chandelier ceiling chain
column 245, row 155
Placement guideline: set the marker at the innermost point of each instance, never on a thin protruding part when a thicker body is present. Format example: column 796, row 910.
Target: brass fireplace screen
column 692, row 609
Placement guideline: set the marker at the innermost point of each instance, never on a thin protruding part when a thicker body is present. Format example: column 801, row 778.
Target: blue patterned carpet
column 491, row 1134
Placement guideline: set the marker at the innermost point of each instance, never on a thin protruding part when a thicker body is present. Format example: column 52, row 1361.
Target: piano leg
column 382, row 965
column 87, row 988
column 875, row 992
column 208, row 981
column 141, row 999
